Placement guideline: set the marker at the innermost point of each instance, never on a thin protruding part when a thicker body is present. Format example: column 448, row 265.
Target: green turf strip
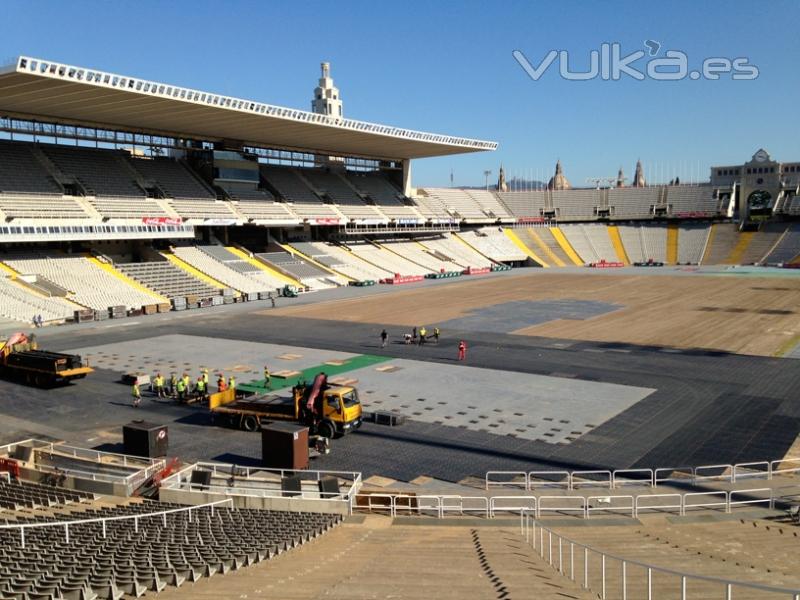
column 279, row 383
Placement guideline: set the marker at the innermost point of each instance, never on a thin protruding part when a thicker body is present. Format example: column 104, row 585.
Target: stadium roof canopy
column 40, row 90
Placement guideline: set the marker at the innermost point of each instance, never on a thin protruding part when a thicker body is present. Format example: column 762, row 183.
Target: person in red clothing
column 462, row 350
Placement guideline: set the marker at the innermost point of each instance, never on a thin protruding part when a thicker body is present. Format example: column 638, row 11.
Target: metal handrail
column 567, row 479
column 528, row 530
column 66, row 524
column 489, row 506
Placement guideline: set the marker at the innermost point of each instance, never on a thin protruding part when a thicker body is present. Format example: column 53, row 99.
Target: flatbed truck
column 328, row 411
column 22, row 360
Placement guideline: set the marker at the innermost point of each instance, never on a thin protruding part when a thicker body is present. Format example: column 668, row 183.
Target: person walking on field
column 436, row 333
column 384, row 337
column 137, row 394
column 462, row 350
column 423, row 334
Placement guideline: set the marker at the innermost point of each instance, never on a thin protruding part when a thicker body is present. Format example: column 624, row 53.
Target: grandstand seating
column 128, row 208
column 431, row 207
column 576, row 204
column 417, row 253
column 100, row 172
column 492, row 242
column 547, row 238
column 259, row 205
column 112, row 558
column 691, row 199
column 446, row 247
column 343, row 261
column 644, row 242
column 394, row 263
column 41, row 207
column 722, row 240
column 787, row 248
column 201, row 259
column 591, row 242
column 714, row 548
column 22, row 173
column 304, row 271
column 18, row 495
column 166, row 279
column 90, row 285
column 633, row 202
column 459, row 202
column 692, row 239
column 381, row 191
column 490, row 205
column 332, row 185
column 761, row 243
column 524, row 204
column 291, row 187
column 172, row 178
column 203, row 209
column 19, row 304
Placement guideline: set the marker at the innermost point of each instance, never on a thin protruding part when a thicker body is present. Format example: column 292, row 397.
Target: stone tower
column 502, row 186
column 326, row 95
column 620, row 178
column 558, row 181
column 638, row 177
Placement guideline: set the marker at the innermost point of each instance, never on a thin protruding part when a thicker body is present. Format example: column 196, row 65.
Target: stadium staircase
column 721, row 240
column 741, row 549
column 197, row 273
column 616, row 241
column 261, row 265
column 108, row 267
column 740, row 248
column 524, row 247
column 374, row 557
column 565, row 246
column 672, row 243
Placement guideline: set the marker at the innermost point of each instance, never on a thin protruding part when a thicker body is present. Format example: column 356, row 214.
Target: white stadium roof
column 41, row 90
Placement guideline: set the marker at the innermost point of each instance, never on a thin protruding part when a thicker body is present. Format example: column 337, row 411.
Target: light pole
column 486, row 175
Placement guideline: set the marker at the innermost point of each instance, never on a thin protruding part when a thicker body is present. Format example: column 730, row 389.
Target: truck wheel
column 326, row 430
column 250, row 423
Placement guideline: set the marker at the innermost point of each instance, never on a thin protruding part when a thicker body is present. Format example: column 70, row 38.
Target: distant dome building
column 558, row 181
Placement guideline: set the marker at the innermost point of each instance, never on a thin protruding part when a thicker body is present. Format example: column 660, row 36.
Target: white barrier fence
column 581, row 506
column 573, row 480
column 609, row 575
column 23, row 527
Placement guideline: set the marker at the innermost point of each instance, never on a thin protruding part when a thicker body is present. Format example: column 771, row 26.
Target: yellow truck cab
column 328, row 411
column 341, row 408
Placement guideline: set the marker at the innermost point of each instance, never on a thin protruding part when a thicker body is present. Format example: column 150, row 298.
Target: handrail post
column 585, row 568
column 624, row 580
column 603, row 575
column 136, row 524
column 66, row 532
column 560, row 561
column 550, row 547
column 649, row 583
column 728, row 591
column 683, row 587
column 104, row 528
column 22, row 536
column 572, row 561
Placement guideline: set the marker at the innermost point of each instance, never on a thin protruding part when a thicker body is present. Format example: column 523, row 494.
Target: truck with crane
column 328, row 411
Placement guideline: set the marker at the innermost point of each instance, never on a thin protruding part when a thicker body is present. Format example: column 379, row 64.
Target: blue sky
column 448, row 68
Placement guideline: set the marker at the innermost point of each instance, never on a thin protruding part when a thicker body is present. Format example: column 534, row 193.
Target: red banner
column 606, row 265
column 396, row 280
column 328, row 221
column 477, row 270
column 162, row 221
